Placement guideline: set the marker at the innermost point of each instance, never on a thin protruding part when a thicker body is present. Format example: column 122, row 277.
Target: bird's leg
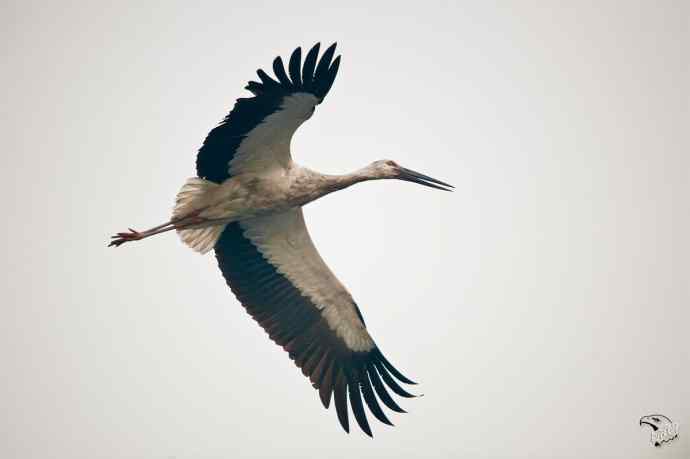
column 177, row 223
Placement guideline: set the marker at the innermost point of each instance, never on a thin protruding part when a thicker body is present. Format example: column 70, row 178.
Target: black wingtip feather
column 294, row 67
column 390, row 382
column 329, row 78
column 324, row 62
column 279, row 70
column 371, row 401
column 267, row 80
column 315, row 76
column 381, row 390
column 326, row 385
column 254, row 87
column 378, row 355
column 309, row 66
column 357, row 407
column 340, row 399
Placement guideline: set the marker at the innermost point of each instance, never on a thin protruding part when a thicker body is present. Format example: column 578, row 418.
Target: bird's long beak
column 412, row 176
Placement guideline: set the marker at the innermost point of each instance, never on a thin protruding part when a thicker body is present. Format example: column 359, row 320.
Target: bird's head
column 655, row 421
column 388, row 169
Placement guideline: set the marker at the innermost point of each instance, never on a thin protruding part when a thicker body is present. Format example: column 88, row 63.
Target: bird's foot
column 121, row 238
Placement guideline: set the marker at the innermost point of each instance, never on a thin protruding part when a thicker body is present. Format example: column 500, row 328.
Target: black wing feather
column 222, row 142
column 279, row 70
column 294, row 67
column 324, row 62
column 353, row 391
column 329, row 78
column 269, row 82
column 381, row 389
column 309, row 66
column 294, row 322
column 380, row 357
column 390, row 382
column 339, row 397
column 372, row 403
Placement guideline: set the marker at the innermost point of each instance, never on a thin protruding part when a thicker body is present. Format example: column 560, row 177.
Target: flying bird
column 246, row 204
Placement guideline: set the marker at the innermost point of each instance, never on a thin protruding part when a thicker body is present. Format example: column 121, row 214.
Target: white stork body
column 252, row 194
column 246, row 204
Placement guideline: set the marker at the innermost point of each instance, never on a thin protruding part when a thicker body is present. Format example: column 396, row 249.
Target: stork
column 246, row 204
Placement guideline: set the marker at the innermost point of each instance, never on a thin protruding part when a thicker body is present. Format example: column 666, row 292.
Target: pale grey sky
column 543, row 306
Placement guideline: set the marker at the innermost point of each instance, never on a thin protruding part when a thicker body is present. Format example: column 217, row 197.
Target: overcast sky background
column 543, row 306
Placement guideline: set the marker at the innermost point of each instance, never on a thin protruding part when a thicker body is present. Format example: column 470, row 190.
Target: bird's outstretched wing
column 256, row 134
column 272, row 266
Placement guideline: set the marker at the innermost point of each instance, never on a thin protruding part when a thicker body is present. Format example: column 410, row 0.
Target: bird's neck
column 323, row 184
column 339, row 182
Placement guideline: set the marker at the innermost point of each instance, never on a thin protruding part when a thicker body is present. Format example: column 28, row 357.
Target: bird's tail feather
column 202, row 239
column 193, row 196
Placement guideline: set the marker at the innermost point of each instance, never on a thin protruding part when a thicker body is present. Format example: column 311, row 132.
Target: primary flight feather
column 245, row 203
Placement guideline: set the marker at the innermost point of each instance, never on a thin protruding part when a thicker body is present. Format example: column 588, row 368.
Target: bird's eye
column 656, row 419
